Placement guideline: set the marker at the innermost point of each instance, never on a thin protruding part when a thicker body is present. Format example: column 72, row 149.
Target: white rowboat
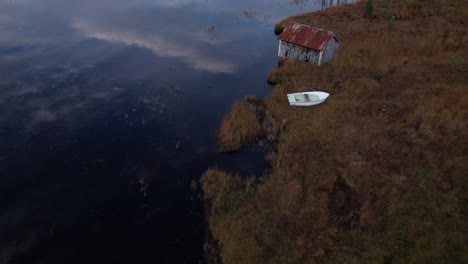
column 307, row 98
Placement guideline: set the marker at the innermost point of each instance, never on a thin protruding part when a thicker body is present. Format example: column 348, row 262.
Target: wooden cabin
column 304, row 43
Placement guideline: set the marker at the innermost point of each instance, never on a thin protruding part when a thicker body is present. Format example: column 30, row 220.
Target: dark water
column 108, row 111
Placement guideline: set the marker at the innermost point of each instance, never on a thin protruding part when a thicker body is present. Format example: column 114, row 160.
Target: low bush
column 369, row 7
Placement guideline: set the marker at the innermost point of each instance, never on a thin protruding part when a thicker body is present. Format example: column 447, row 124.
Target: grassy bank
column 376, row 174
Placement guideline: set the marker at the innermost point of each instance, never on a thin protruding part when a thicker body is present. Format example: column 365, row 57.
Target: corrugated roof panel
column 309, row 37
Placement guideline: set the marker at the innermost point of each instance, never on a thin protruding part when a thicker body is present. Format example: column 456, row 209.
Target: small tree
column 391, row 23
column 369, row 7
column 456, row 62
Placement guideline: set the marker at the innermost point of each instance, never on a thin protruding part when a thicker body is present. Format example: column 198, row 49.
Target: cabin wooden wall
column 293, row 52
column 330, row 51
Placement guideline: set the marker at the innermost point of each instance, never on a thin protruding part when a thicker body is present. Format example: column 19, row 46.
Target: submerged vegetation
column 374, row 175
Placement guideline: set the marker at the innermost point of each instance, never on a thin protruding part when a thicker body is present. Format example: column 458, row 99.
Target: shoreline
column 354, row 180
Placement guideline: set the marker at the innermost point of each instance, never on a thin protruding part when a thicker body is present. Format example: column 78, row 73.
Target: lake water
column 108, row 112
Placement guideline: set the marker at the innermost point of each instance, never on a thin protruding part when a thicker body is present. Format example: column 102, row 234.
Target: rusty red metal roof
column 305, row 36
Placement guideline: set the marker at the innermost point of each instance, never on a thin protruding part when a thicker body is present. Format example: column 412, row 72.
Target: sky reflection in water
column 100, row 98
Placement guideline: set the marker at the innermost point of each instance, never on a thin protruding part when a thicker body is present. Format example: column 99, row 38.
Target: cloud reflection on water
column 165, row 27
column 160, row 45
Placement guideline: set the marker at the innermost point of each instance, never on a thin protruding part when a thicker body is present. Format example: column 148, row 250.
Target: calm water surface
column 108, row 111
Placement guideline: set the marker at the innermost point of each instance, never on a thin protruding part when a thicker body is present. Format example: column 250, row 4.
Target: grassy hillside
column 377, row 173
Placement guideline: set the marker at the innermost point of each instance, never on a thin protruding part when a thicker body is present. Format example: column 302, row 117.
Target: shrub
column 369, row 7
column 391, row 23
column 456, row 62
column 274, row 77
column 278, row 29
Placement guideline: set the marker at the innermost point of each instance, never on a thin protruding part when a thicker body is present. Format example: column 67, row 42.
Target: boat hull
column 307, row 98
column 307, row 103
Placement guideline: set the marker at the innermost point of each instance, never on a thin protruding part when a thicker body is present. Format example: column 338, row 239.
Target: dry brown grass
column 377, row 173
column 241, row 126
